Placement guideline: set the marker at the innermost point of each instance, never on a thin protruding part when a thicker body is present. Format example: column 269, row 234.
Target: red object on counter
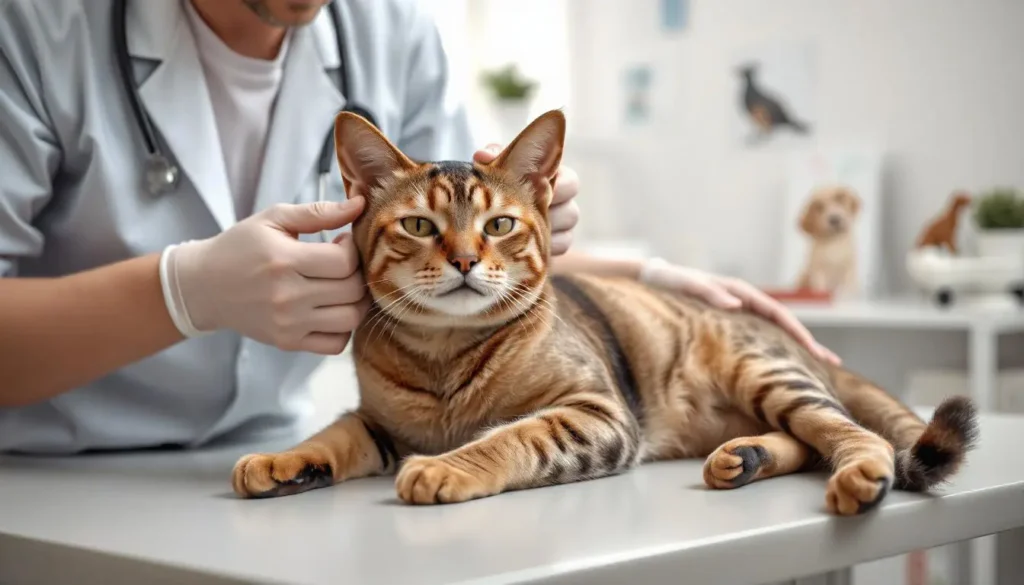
column 799, row 295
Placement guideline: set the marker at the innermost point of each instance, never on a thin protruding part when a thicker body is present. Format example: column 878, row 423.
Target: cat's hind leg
column 784, row 394
column 353, row 446
column 746, row 459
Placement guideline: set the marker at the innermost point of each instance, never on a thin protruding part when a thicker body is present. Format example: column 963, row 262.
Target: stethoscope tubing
column 161, row 173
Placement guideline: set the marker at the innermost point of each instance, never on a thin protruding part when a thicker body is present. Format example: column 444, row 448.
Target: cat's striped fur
column 523, row 380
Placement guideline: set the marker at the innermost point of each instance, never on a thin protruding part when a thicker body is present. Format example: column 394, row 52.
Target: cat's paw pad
column 734, row 464
column 280, row 474
column 432, row 480
column 858, row 487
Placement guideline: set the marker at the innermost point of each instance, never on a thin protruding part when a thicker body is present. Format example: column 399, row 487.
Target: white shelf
column 906, row 313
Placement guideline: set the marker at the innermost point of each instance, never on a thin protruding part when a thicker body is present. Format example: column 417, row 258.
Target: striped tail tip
column 941, row 449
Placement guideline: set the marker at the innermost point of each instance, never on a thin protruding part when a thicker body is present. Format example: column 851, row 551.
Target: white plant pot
column 1004, row 243
column 511, row 117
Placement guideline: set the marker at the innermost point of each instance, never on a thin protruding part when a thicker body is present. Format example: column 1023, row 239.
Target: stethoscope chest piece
column 161, row 175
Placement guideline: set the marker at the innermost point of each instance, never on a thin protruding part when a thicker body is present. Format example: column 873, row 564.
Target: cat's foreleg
column 353, row 446
column 583, row 437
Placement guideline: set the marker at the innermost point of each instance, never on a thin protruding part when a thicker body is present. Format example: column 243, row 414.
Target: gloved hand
column 259, row 280
column 731, row 293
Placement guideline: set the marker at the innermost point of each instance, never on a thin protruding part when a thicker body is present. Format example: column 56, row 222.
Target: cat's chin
column 462, row 302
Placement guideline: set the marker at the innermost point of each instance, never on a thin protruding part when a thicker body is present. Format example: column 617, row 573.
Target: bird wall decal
column 767, row 112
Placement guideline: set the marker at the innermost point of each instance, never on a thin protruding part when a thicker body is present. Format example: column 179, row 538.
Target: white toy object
column 946, row 277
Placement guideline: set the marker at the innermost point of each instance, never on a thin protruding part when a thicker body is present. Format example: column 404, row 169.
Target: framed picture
column 832, row 223
column 637, row 82
column 674, row 14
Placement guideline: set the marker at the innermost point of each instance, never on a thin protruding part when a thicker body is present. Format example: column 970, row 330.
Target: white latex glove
column 258, row 279
column 731, row 293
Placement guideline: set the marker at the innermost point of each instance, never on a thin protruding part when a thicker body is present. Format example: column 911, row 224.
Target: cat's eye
column 418, row 226
column 499, row 226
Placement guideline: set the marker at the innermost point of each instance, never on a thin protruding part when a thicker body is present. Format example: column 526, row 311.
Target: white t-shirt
column 243, row 91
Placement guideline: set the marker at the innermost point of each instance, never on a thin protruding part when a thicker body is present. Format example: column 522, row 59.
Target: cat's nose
column 464, row 263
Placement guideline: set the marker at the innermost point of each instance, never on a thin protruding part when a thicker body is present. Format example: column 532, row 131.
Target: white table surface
column 170, row 516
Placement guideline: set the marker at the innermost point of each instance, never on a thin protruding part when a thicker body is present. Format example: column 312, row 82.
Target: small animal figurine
column 941, row 232
column 828, row 219
column 766, row 111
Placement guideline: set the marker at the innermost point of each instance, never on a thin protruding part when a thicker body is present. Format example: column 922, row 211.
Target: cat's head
column 452, row 243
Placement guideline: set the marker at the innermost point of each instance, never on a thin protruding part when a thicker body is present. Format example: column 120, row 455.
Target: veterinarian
column 159, row 155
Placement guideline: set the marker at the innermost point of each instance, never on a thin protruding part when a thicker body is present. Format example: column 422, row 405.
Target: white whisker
column 388, row 312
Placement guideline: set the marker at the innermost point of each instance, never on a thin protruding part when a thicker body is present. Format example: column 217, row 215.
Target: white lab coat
column 71, row 195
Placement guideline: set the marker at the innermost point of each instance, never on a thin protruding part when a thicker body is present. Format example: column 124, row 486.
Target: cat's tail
column 927, row 454
column 942, row 447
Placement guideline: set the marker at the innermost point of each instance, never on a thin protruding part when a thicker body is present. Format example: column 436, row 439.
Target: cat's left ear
column 536, row 153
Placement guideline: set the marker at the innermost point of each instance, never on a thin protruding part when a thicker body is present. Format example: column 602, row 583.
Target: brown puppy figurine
column 942, row 231
column 828, row 220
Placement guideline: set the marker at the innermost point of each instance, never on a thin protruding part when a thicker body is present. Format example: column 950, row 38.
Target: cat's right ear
column 365, row 156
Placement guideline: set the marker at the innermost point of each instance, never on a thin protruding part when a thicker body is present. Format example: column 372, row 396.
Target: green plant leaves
column 1000, row 208
column 508, row 84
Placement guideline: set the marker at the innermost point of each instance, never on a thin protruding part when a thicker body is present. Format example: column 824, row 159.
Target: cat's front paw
column 432, row 480
column 280, row 474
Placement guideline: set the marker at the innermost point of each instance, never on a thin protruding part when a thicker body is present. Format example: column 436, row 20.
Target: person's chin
column 301, row 12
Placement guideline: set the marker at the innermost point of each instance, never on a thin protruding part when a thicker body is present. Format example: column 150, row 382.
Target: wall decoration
column 637, row 84
column 674, row 14
column 774, row 93
column 832, row 217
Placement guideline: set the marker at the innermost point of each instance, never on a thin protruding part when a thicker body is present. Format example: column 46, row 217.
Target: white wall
column 938, row 84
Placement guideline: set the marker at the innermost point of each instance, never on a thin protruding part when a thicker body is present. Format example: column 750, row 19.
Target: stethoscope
column 161, row 174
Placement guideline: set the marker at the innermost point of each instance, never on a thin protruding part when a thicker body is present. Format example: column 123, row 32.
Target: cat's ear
column 537, row 152
column 365, row 156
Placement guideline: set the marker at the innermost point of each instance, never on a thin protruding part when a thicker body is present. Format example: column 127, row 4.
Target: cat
column 480, row 373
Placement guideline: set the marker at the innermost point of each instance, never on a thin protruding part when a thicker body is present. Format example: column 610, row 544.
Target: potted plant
column 999, row 216
column 511, row 94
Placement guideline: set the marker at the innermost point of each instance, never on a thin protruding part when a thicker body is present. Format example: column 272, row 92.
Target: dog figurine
column 828, row 218
column 941, row 232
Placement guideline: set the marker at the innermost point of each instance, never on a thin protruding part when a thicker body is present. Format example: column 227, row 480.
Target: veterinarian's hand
column 731, row 293
column 258, row 279
column 564, row 212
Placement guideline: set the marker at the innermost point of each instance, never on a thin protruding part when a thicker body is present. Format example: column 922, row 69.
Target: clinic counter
column 167, row 517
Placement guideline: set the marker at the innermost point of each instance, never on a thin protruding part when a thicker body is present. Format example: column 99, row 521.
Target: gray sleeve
column 29, row 150
column 435, row 125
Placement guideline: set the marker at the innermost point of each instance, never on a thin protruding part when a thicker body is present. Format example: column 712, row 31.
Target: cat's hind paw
column 432, row 480
column 281, row 474
column 734, row 464
column 858, row 487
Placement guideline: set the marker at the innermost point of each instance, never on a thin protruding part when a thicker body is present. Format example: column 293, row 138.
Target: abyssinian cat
column 479, row 374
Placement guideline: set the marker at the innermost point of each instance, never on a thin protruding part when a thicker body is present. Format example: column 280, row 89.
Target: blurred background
column 702, row 128
column 932, row 88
